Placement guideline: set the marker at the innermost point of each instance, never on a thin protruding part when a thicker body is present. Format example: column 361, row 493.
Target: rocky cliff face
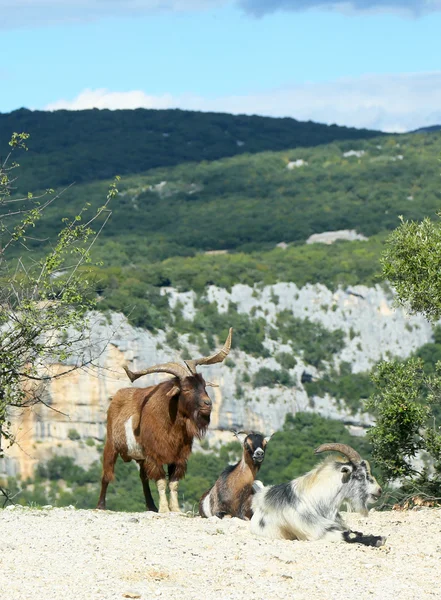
column 373, row 330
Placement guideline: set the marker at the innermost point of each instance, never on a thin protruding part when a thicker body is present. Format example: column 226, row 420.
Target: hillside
column 251, row 203
column 79, row 146
column 92, row 555
column 298, row 308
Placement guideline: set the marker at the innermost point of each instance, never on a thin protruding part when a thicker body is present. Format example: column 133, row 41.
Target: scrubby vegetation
column 290, row 453
column 225, row 204
column 98, row 144
column 309, row 339
column 350, row 389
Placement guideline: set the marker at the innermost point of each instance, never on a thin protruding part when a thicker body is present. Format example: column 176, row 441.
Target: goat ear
column 241, row 435
column 175, row 390
column 346, row 472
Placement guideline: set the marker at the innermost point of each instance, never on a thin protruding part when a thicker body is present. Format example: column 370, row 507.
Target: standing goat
column 234, row 489
column 307, row 508
column 156, row 426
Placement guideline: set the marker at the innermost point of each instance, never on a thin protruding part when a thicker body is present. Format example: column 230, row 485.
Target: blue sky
column 365, row 63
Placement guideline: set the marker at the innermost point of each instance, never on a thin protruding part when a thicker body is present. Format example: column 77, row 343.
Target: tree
column 407, row 397
column 45, row 292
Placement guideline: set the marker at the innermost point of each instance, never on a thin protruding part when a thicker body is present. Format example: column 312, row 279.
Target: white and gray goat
column 233, row 491
column 307, row 508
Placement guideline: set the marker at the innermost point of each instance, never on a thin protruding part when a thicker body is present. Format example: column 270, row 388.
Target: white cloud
column 385, row 102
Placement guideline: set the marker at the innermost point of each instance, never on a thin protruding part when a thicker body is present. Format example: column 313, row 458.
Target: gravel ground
column 70, row 554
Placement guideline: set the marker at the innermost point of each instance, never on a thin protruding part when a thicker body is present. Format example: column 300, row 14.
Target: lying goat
column 233, row 491
column 307, row 508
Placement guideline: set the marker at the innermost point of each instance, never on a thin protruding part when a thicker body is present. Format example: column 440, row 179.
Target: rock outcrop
column 373, row 330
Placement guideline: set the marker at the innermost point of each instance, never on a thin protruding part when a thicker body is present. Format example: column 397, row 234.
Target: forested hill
column 250, row 203
column 80, row 146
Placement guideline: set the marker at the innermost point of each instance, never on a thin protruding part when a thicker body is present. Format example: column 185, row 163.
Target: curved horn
column 214, row 358
column 347, row 451
column 173, row 368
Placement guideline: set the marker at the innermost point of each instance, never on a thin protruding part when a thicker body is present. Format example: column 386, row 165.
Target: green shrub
column 316, row 343
column 286, row 360
column 269, row 378
column 73, row 435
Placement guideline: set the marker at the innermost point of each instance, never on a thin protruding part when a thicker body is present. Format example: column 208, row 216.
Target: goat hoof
column 163, row 510
column 381, row 541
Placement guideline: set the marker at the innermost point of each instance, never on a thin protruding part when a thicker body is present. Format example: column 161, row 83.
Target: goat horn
column 209, row 384
column 214, row 358
column 173, row 368
column 347, row 451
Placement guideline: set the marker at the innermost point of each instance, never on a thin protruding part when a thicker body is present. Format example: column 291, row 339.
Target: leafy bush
column 316, row 343
column 269, row 378
column 345, row 386
column 405, row 422
column 286, row 360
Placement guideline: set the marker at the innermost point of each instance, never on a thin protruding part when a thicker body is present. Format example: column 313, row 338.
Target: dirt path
column 69, row 554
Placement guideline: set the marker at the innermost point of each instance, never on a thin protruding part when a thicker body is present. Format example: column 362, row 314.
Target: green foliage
column 344, row 386
column 96, row 144
column 316, row 343
column 73, row 435
column 269, row 378
column 407, row 399
column 136, row 290
column 402, row 403
column 210, row 325
column 156, row 213
column 286, row 360
column 412, row 263
column 41, row 299
column 290, row 453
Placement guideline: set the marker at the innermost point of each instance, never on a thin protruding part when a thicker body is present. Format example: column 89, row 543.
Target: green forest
column 78, row 146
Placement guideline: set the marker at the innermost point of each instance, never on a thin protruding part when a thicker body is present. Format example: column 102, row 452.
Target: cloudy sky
column 363, row 63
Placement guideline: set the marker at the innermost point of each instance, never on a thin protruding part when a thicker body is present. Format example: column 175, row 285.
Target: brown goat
column 155, row 426
column 233, row 491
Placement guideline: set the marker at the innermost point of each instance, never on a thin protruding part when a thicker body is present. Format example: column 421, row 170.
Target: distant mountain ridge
column 80, row 146
column 428, row 129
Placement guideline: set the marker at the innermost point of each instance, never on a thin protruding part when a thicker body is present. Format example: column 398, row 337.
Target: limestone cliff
column 372, row 328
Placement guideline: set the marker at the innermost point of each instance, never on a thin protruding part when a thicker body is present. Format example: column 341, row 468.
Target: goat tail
column 204, row 505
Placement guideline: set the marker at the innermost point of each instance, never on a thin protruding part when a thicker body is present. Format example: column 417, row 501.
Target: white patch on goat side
column 206, row 506
column 134, row 450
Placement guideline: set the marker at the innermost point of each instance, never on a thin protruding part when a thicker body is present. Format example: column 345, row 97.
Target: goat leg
column 162, row 485
column 109, row 460
column 149, row 502
column 356, row 537
column 174, row 502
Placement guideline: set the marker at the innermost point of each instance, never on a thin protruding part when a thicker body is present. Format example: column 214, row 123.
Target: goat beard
column 198, row 425
column 359, row 507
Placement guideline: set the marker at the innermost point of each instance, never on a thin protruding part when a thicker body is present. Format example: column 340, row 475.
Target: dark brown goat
column 156, row 426
column 233, row 491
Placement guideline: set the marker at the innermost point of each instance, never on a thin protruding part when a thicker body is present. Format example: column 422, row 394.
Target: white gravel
column 70, row 554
